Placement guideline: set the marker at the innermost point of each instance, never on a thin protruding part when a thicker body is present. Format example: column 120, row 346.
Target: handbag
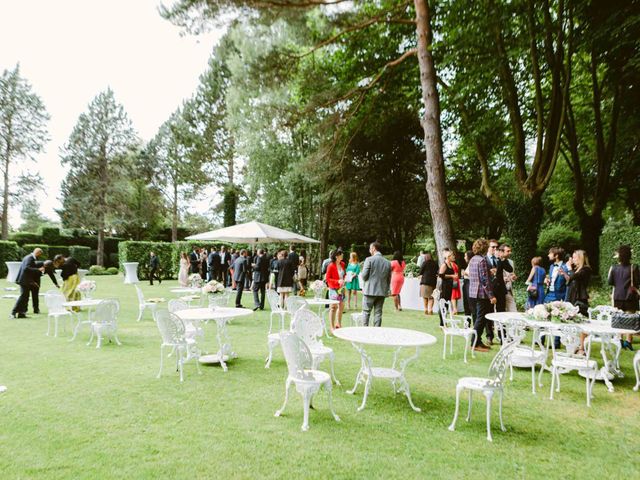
column 532, row 290
column 632, row 293
column 627, row 321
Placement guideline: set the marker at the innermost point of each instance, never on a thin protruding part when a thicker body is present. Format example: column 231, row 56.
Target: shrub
column 81, row 254
column 113, row 260
column 132, row 251
column 556, row 235
column 30, row 247
column 96, row 270
column 51, row 235
column 9, row 252
column 58, row 250
column 25, row 237
column 112, row 270
column 615, row 234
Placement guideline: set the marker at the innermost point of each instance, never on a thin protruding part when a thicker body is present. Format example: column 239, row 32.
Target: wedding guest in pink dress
column 397, row 278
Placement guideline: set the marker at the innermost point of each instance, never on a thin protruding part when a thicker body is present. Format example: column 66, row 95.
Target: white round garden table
column 611, row 367
column 396, row 338
column 185, row 290
column 221, row 315
column 322, row 312
column 89, row 304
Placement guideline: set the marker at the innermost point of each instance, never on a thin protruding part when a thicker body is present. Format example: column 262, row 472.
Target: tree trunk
column 590, row 230
column 324, row 231
column 100, row 252
column 523, row 218
column 5, row 197
column 434, row 162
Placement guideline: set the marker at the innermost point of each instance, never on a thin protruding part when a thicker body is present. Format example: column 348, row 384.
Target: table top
column 184, row 290
column 321, row 301
column 385, row 336
column 212, row 314
column 87, row 302
column 588, row 327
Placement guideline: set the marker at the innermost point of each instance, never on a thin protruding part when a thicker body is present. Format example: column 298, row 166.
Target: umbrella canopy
column 252, row 232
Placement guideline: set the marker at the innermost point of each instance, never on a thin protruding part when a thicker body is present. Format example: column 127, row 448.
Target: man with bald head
column 29, row 280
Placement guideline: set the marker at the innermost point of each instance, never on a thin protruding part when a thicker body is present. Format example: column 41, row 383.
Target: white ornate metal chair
column 219, row 299
column 525, row 356
column 565, row 362
column 303, row 375
column 273, row 338
column 192, row 328
column 456, row 326
column 601, row 314
column 636, row 368
column 105, row 322
column 309, row 327
column 357, row 319
column 54, row 301
column 173, row 333
column 143, row 305
column 488, row 386
column 293, row 304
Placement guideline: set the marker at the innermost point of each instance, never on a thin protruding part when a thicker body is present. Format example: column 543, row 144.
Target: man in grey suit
column 376, row 274
column 239, row 274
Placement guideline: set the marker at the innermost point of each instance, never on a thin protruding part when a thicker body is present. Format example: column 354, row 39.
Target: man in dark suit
column 260, row 279
column 214, row 264
column 29, row 280
column 154, row 266
column 239, row 274
column 497, row 267
column 225, row 259
column 194, row 260
column 294, row 261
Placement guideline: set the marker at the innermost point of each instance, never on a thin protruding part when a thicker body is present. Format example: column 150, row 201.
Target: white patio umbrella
column 252, row 232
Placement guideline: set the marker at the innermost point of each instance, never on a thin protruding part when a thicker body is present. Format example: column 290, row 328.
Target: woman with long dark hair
column 335, row 281
column 625, row 278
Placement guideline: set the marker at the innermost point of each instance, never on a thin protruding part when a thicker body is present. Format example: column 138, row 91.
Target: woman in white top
column 183, row 273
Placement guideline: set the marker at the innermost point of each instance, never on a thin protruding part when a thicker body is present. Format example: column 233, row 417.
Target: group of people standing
column 30, row 275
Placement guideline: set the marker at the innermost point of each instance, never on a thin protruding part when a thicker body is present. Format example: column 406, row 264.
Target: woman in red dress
column 456, row 293
column 397, row 278
column 335, row 281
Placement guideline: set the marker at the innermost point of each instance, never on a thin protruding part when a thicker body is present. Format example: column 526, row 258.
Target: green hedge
column 81, row 254
column 615, row 234
column 30, row 247
column 25, row 237
column 51, row 236
column 556, row 235
column 131, row 251
column 58, row 250
column 9, row 252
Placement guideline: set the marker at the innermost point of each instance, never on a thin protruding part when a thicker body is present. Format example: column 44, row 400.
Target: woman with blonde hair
column 352, row 281
column 577, row 277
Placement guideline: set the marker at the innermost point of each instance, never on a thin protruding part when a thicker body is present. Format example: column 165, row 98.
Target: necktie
column 493, row 261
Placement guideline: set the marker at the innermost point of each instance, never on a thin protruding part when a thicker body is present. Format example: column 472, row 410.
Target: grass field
column 72, row 411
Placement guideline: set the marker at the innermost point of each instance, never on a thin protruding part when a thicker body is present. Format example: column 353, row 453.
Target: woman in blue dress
column 352, row 281
column 535, row 283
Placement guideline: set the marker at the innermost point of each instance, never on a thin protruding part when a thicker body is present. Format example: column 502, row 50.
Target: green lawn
column 72, row 411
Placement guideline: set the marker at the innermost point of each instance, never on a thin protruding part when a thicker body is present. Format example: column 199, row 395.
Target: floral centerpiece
column 318, row 288
column 86, row 288
column 213, row 287
column 558, row 312
column 195, row 280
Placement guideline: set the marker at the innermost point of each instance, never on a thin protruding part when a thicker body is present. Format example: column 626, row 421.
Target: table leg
column 404, row 385
column 224, row 344
column 322, row 313
column 79, row 324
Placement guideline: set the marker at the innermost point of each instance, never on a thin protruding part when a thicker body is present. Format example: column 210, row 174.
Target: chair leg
column 553, row 382
column 510, row 372
column 115, row 337
column 444, row 347
column 470, row 403
column 99, row 343
column 268, row 364
column 286, row 398
column 329, row 389
column 161, row 360
column 474, row 339
column 331, row 356
column 452, row 427
column 489, row 395
column 500, row 410
column 55, row 327
column 533, row 378
column 451, row 344
column 540, row 374
column 270, row 322
column 91, row 336
column 636, row 368
column 306, row 400
column 181, row 365
column 48, row 325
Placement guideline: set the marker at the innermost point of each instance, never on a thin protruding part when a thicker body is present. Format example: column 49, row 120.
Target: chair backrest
column 219, row 299
column 177, row 305
column 139, row 293
column 445, row 307
column 601, row 313
column 515, row 330
column 297, row 355
column 53, row 299
column 295, row 303
column 570, row 338
column 171, row 328
column 499, row 364
column 357, row 319
column 106, row 311
column 274, row 301
column 308, row 326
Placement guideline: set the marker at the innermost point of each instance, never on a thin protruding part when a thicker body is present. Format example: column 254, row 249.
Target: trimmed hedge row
column 81, row 254
column 614, row 235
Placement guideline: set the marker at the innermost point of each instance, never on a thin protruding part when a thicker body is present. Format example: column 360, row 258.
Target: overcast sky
column 70, row 50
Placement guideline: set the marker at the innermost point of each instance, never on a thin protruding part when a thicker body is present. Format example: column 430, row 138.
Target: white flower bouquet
column 86, row 288
column 213, row 287
column 318, row 288
column 559, row 312
column 195, row 280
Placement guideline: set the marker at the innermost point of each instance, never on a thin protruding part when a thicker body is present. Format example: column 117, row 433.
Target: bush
column 30, row 247
column 25, row 237
column 96, row 270
column 81, row 254
column 114, row 261
column 132, row 251
column 58, row 250
column 112, row 270
column 556, row 235
column 51, row 235
column 9, row 252
column 615, row 234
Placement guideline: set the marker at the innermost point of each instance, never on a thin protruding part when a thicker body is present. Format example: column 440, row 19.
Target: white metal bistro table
column 221, row 315
column 610, row 369
column 397, row 338
column 322, row 312
column 89, row 304
column 185, row 290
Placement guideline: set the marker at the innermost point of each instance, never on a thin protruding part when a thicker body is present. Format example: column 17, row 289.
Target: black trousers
column 239, row 289
column 465, row 297
column 22, row 303
column 153, row 273
column 259, row 287
column 479, row 309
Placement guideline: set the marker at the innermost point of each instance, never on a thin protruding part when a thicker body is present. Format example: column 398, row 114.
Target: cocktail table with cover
column 397, row 338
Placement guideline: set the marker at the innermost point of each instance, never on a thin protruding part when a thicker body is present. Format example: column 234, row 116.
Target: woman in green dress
column 352, row 281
